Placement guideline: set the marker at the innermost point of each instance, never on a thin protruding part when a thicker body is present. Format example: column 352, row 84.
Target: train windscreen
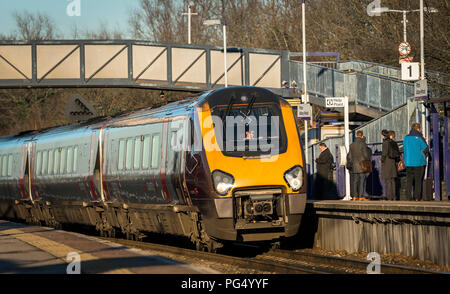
column 249, row 130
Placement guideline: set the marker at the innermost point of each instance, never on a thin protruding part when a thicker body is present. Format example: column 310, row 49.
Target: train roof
column 145, row 115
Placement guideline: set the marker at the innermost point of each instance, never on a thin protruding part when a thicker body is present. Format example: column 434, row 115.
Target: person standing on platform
column 415, row 151
column 396, row 154
column 388, row 164
column 323, row 184
column 359, row 165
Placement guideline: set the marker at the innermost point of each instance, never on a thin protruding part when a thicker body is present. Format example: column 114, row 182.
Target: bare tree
column 37, row 26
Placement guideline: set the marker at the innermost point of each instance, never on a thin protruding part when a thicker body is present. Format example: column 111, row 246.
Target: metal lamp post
column 404, row 12
column 305, row 92
column 422, row 57
column 212, row 22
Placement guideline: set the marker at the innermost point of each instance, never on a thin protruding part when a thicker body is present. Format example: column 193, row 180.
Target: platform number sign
column 410, row 71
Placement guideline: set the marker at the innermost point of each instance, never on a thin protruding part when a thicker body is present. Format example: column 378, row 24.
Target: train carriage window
column 10, row 163
column 69, row 160
column 137, row 152
column 63, row 160
column 129, row 158
column 51, row 156
column 38, row 163
column 121, row 154
column 155, row 151
column 44, row 162
column 56, row 163
column 146, row 153
column 4, row 167
column 75, row 159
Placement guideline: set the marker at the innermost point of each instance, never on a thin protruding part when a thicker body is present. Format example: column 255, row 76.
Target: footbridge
column 193, row 68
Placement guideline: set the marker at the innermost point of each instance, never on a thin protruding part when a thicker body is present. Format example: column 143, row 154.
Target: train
column 222, row 166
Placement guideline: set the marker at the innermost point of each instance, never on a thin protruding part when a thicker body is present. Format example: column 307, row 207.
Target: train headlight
column 222, row 182
column 294, row 177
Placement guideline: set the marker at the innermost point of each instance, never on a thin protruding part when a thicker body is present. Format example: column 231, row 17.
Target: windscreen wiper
column 250, row 105
column 230, row 104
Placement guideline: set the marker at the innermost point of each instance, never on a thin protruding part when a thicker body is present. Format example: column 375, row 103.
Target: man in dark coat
column 323, row 182
column 358, row 152
column 389, row 157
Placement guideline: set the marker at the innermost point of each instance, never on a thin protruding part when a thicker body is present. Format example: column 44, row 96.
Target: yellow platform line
column 60, row 250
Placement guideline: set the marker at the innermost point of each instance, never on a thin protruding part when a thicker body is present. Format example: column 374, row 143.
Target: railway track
column 344, row 265
column 279, row 261
column 254, row 263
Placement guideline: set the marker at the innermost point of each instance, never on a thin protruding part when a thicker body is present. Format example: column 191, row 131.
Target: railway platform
column 417, row 229
column 28, row 249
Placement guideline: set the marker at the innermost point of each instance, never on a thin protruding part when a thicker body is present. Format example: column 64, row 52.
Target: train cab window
column 10, row 163
column 129, row 158
column 75, row 159
column 121, row 154
column 62, row 162
column 44, row 162
column 146, row 153
column 56, row 163
column 250, row 130
column 69, row 164
column 38, row 163
column 137, row 152
column 155, row 151
column 51, row 156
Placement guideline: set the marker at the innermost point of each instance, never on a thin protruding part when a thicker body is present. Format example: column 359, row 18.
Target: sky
column 112, row 13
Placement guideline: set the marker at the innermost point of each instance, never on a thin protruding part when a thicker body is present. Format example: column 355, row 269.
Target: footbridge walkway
column 194, row 68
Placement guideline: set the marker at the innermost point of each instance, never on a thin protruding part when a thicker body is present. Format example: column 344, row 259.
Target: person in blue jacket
column 415, row 151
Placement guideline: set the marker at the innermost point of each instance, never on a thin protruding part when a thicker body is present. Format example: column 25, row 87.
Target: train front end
column 254, row 183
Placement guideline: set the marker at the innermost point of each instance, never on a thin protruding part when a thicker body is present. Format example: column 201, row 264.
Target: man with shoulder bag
column 360, row 165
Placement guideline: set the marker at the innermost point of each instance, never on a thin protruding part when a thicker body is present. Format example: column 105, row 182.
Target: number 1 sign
column 410, row 71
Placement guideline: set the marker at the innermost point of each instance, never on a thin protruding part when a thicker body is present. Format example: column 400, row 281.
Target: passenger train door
column 26, row 175
column 175, row 160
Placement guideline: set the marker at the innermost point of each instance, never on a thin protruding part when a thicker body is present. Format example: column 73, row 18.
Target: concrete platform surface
column 28, row 249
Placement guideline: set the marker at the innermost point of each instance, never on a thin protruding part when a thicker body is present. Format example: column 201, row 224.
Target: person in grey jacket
column 389, row 156
column 358, row 152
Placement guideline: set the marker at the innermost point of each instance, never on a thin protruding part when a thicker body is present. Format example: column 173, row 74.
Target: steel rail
column 354, row 264
column 255, row 263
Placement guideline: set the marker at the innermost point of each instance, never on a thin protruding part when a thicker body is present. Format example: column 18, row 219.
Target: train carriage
column 223, row 166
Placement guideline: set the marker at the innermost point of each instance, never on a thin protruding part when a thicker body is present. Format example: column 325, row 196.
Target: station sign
column 421, row 90
column 304, row 111
column 331, row 102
